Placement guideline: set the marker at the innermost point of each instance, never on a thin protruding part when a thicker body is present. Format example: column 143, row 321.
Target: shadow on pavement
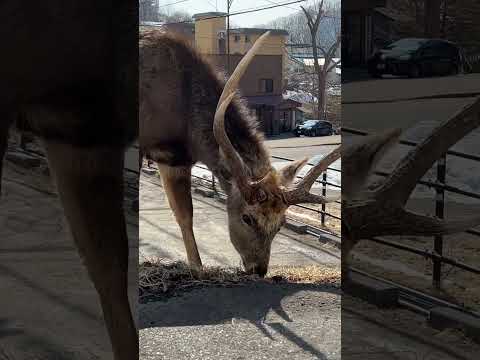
column 216, row 305
column 261, row 304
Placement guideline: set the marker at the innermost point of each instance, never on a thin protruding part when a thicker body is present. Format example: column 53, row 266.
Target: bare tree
column 148, row 10
column 169, row 15
column 316, row 14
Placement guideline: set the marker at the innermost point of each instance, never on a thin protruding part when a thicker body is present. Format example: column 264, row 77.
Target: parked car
column 314, row 128
column 416, row 57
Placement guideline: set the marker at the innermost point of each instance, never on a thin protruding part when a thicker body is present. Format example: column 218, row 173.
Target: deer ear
column 287, row 173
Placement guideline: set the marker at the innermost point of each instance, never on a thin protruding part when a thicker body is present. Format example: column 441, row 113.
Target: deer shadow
column 259, row 303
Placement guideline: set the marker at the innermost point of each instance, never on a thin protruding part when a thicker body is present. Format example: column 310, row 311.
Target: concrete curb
column 329, row 239
column 296, row 227
column 372, row 291
column 149, row 171
column 442, row 318
column 204, row 192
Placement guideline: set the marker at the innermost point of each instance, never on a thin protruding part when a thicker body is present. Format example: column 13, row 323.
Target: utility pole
column 229, row 4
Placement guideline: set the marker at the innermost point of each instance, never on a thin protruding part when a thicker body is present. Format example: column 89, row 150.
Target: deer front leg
column 90, row 185
column 177, row 185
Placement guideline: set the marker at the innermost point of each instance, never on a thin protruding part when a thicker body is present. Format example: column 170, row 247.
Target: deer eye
column 247, row 219
column 261, row 195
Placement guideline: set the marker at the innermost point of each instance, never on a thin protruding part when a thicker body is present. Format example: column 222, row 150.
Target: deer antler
column 382, row 212
column 300, row 193
column 231, row 155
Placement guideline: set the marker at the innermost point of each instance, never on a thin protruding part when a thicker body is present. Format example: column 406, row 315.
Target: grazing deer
column 188, row 115
column 69, row 70
column 379, row 210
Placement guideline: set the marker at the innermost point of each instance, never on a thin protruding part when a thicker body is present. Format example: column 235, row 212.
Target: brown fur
column 69, row 73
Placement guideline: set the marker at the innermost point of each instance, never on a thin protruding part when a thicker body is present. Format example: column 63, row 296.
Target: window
column 236, row 38
column 247, row 38
column 265, row 85
column 221, row 46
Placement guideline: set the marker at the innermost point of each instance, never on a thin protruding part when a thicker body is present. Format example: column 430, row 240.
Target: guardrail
column 211, row 184
column 441, row 187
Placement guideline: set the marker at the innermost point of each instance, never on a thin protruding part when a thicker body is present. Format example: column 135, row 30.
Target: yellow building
column 211, row 38
column 264, row 81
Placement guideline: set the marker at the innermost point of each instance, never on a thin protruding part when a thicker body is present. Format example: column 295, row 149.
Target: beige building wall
column 208, row 27
column 274, row 45
column 206, row 34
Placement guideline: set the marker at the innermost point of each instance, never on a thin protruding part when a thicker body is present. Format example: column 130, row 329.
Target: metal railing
column 211, row 183
column 441, row 188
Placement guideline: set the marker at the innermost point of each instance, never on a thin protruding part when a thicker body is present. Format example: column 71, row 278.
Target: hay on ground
column 161, row 276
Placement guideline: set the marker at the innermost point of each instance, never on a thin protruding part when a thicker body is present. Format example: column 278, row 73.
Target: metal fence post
column 324, row 193
column 439, row 212
column 213, row 184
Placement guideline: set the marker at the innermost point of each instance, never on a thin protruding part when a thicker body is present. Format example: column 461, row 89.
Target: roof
column 209, row 14
column 271, row 100
column 255, row 31
column 151, row 23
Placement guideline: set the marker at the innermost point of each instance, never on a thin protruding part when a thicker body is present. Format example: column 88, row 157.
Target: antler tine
column 403, row 179
column 422, row 225
column 407, row 223
column 300, row 193
column 233, row 159
column 360, row 157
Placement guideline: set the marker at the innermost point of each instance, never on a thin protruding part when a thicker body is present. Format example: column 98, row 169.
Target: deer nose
column 261, row 271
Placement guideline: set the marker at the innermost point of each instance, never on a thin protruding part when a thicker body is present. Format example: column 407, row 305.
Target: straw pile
column 163, row 277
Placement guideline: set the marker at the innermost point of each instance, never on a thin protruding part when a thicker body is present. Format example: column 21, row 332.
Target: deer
column 70, row 74
column 378, row 209
column 188, row 114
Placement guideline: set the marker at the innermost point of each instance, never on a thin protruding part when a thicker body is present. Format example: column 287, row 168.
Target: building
column 264, row 81
column 300, row 62
column 364, row 26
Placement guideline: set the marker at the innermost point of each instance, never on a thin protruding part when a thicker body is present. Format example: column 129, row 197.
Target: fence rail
column 441, row 188
column 322, row 212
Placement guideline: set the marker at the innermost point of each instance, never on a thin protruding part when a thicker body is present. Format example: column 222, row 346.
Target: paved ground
column 49, row 308
column 359, row 112
column 369, row 333
column 250, row 322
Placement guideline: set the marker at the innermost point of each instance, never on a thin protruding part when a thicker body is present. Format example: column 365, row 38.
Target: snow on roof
column 310, row 61
column 151, row 23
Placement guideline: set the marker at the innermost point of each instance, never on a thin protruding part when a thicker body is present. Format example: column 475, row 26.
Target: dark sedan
column 416, row 57
column 314, row 128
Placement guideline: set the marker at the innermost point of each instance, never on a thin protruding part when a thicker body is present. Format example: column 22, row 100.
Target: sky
column 244, row 20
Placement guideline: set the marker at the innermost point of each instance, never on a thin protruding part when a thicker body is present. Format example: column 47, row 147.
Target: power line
column 173, row 3
column 214, row 5
column 237, row 13
column 275, row 3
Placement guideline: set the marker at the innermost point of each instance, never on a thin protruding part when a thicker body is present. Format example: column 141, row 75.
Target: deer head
column 379, row 209
column 256, row 207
